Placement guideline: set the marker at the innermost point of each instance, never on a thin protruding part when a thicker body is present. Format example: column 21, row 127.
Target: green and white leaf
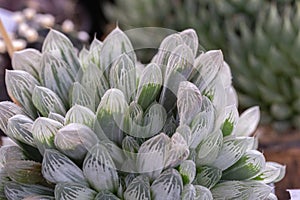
column 273, row 172
column 138, row 189
column 202, row 193
column 94, row 52
column 106, row 195
column 207, row 176
column 8, row 110
column 56, row 168
column 80, row 114
column 80, row 96
column 190, row 38
column 73, row 191
column 9, row 154
column 56, row 117
column 188, row 192
column 187, row 170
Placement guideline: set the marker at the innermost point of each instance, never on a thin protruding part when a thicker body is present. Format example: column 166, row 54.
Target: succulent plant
column 102, row 126
column 260, row 41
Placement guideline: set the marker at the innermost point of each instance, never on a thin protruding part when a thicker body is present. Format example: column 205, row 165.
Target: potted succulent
column 100, row 125
column 260, row 41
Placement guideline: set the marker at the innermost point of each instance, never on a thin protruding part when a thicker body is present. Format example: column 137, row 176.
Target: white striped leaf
column 20, row 85
column 232, row 150
column 18, row 191
column 202, row 193
column 207, row 66
column 75, row 140
column 130, row 147
column 187, row 169
column 46, row 101
column 247, row 167
column 138, row 189
column 100, row 170
column 149, row 85
column 114, row 45
column 123, row 76
column 57, row 168
column 231, row 119
column 59, row 45
column 241, row 190
column 57, row 76
column 207, row 176
column 80, row 96
column 73, row 191
column 56, row 117
column 19, row 128
column 188, row 192
column 203, row 123
column 179, row 68
column 80, row 114
column 94, row 52
column 189, row 102
column 106, row 195
column 151, row 155
column 273, row 172
column 7, row 110
column 247, row 122
column 83, row 58
column 43, row 131
column 25, row 171
column 190, row 38
column 185, row 132
column 39, row 197
column 168, row 186
column 110, row 114
column 94, row 82
column 116, row 153
column 27, row 60
column 10, row 153
column 209, row 148
column 176, row 151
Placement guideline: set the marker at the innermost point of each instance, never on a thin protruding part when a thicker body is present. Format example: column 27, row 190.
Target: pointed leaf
column 190, row 38
column 81, row 115
column 73, row 191
column 167, row 186
column 20, row 85
column 75, row 140
column 202, row 193
column 43, row 131
column 138, row 189
column 130, row 147
column 10, row 153
column 94, row 52
column 247, row 122
column 58, row 44
column 57, row 168
column 39, row 197
column 123, row 76
column 149, row 85
column 187, row 169
column 272, row 173
column 106, row 195
column 57, row 76
column 231, row 118
column 208, row 176
column 46, row 101
column 100, row 170
column 27, row 60
column 56, row 117
column 115, row 44
column 83, row 58
column 7, row 110
column 188, row 192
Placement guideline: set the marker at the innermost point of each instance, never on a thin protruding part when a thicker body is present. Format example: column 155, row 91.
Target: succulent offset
column 260, row 41
column 100, row 125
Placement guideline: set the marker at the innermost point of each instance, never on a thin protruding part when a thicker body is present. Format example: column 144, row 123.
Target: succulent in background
column 102, row 126
column 260, row 41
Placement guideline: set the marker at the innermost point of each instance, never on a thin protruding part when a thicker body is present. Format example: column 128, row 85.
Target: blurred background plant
column 261, row 42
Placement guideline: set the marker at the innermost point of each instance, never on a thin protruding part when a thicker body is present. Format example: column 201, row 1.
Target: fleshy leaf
column 231, row 118
column 188, row 192
column 39, row 197
column 27, row 60
column 241, row 190
column 80, row 96
column 75, row 140
column 100, row 170
column 73, row 191
column 115, row 44
column 247, row 122
column 43, row 131
column 94, row 52
column 149, row 85
column 130, row 147
column 46, row 101
column 57, row 117
column 167, row 186
column 106, row 195
column 59, row 45
column 9, row 154
column 248, row 166
column 8, row 110
column 207, row 176
column 123, row 76
column 189, row 102
column 53, row 72
column 57, row 167
column 202, row 193
column 110, row 114
column 80, row 114
column 272, row 173
column 138, row 189
column 20, row 85
column 187, row 169
column 190, row 38
column 232, row 150
column 17, row 191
